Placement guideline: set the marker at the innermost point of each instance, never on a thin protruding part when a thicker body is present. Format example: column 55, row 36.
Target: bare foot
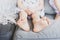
column 57, row 17
column 40, row 24
column 23, row 22
column 47, row 20
column 36, row 20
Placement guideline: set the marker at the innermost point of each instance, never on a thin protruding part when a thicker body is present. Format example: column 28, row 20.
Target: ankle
column 35, row 16
column 57, row 15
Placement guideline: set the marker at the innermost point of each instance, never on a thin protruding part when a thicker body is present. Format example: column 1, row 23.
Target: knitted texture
column 8, row 11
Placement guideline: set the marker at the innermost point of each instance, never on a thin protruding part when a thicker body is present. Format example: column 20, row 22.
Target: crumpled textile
column 33, row 5
column 8, row 11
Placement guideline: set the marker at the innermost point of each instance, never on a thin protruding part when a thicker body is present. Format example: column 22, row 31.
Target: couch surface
column 52, row 32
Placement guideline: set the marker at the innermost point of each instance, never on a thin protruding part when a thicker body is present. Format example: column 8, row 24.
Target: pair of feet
column 39, row 23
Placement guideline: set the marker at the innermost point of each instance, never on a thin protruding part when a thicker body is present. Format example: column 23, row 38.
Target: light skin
column 39, row 23
column 23, row 22
column 57, row 4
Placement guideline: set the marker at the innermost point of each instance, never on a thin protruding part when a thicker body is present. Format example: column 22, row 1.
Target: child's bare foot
column 40, row 24
column 23, row 22
column 47, row 20
column 57, row 17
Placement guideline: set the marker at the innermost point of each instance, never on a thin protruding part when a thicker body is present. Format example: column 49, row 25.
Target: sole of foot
column 41, row 24
column 23, row 22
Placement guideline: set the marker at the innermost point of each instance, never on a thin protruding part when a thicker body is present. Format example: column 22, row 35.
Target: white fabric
column 33, row 5
column 8, row 11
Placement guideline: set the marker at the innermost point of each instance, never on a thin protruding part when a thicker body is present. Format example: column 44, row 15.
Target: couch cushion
column 48, row 8
column 51, row 32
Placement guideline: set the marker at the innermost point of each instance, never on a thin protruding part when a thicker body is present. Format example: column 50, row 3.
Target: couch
column 52, row 32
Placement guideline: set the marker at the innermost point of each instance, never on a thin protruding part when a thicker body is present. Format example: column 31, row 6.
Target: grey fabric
column 51, row 32
column 48, row 8
column 39, row 39
column 6, row 31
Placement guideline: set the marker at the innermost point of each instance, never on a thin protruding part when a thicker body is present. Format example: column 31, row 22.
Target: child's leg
column 36, row 20
column 39, row 23
column 23, row 22
column 57, row 4
column 57, row 17
column 22, row 6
